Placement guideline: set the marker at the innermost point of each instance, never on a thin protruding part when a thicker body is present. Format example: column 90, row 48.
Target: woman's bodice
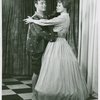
column 63, row 26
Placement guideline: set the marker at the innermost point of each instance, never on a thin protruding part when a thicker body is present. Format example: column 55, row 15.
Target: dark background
column 15, row 59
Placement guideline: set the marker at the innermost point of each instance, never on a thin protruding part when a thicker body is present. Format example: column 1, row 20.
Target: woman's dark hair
column 65, row 3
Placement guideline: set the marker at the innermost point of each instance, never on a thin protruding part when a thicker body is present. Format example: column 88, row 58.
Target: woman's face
column 60, row 8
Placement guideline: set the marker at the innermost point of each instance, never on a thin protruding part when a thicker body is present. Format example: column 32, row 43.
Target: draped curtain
column 88, row 44
column 14, row 34
column 73, row 35
column 15, row 59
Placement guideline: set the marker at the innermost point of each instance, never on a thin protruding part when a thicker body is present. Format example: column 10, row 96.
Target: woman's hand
column 28, row 20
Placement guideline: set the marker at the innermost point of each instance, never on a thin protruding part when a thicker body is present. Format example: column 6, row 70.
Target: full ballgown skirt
column 60, row 76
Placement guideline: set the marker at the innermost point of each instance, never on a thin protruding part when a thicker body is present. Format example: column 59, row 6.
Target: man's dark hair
column 36, row 1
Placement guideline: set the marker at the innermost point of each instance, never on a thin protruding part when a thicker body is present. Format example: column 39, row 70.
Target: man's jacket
column 37, row 37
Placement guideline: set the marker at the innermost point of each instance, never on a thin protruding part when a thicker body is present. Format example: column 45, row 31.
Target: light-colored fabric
column 88, row 38
column 60, row 77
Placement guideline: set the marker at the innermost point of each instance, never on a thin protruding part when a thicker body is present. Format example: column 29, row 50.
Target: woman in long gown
column 60, row 77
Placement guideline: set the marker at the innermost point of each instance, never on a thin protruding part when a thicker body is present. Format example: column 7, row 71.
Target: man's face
column 41, row 5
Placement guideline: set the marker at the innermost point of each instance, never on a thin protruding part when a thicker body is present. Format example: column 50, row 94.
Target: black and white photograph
column 49, row 50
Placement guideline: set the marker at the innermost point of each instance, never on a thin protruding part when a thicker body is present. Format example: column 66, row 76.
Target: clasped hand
column 28, row 20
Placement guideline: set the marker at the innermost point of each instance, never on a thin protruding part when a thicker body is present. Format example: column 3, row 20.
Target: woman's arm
column 53, row 21
column 46, row 22
column 41, row 22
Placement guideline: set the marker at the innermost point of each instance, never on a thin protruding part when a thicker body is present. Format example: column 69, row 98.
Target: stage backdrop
column 15, row 59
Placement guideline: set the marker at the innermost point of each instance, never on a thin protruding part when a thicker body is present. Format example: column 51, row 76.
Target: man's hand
column 53, row 37
column 28, row 20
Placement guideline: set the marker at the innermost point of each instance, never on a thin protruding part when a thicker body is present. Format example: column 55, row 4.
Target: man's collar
column 40, row 15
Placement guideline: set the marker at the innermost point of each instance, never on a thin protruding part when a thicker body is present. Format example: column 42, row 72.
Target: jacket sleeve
column 40, row 32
